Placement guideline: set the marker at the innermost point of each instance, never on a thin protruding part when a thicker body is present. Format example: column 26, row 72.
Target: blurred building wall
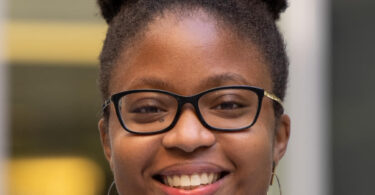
column 3, row 102
column 54, row 103
column 353, row 95
column 306, row 164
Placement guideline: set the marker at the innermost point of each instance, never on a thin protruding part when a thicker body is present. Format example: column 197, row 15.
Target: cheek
column 251, row 152
column 254, row 148
column 130, row 155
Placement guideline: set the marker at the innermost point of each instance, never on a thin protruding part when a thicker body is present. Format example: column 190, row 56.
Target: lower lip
column 203, row 190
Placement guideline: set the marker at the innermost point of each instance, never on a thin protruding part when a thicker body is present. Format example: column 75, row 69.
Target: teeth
column 188, row 181
column 204, row 178
column 195, row 180
column 169, row 181
column 210, row 177
column 176, row 181
column 184, row 181
column 216, row 176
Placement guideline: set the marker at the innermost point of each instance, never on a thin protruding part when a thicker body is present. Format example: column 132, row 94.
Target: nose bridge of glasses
column 193, row 100
column 190, row 100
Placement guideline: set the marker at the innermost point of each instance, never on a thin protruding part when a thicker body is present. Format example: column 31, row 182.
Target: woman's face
column 187, row 55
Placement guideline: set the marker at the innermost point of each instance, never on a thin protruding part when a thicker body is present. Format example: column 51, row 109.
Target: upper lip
column 190, row 168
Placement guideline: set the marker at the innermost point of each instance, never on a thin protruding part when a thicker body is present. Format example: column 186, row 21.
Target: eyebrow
column 225, row 78
column 210, row 82
column 152, row 82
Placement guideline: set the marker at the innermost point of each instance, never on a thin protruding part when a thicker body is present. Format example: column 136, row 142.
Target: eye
column 228, row 106
column 147, row 110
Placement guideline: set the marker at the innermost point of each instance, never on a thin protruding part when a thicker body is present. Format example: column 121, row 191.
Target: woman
column 193, row 95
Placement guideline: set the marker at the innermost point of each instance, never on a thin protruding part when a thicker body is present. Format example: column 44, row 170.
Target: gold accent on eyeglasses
column 273, row 97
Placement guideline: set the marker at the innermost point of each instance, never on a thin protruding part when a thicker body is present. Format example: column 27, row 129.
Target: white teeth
column 188, row 181
column 184, row 181
column 204, row 178
column 210, row 177
column 176, row 181
column 169, row 181
column 195, row 180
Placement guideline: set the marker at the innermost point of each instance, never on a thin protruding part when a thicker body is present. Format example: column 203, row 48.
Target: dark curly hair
column 250, row 19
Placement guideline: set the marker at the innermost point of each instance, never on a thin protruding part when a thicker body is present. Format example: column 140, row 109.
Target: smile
column 191, row 178
column 190, row 181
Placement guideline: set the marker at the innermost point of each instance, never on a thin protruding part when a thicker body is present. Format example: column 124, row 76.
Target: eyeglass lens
column 147, row 111
column 229, row 108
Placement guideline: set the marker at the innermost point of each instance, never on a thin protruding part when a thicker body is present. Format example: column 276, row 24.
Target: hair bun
column 276, row 7
column 110, row 8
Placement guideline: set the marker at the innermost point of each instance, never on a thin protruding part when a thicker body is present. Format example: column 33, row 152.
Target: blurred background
column 53, row 103
column 50, row 102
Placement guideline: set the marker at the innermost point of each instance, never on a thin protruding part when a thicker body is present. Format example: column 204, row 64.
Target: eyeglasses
column 152, row 111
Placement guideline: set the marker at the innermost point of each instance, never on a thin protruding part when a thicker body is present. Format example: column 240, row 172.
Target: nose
column 188, row 134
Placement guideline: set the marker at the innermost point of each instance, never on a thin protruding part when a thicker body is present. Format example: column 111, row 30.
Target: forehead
column 185, row 49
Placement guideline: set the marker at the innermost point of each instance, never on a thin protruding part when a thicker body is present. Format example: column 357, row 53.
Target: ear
column 282, row 134
column 104, row 137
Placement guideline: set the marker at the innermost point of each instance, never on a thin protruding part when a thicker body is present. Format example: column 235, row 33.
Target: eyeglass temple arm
column 274, row 97
column 106, row 104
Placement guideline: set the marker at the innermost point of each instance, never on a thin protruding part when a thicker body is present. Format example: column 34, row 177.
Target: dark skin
column 187, row 55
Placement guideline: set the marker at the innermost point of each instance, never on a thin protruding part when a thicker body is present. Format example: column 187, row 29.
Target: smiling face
column 187, row 55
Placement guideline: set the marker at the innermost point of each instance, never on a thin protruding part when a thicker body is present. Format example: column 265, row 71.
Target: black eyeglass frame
column 182, row 100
